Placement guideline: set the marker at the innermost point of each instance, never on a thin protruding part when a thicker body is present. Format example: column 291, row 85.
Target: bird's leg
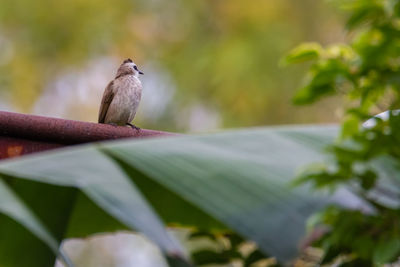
column 112, row 124
column 133, row 126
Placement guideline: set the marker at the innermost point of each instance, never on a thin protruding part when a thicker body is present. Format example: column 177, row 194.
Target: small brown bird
column 122, row 96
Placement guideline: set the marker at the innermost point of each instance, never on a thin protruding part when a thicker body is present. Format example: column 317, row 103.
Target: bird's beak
column 141, row 72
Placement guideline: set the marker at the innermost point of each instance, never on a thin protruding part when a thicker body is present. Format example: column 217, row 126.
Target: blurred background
column 208, row 64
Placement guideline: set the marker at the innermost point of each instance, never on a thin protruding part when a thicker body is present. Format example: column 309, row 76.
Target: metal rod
column 22, row 134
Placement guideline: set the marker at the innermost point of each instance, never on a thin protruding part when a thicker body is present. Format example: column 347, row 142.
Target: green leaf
column 312, row 93
column 241, row 178
column 387, row 250
column 303, row 52
column 13, row 207
column 350, row 126
column 102, row 181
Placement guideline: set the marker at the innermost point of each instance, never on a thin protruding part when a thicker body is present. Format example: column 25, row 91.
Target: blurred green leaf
column 211, row 171
column 350, row 126
column 208, row 173
column 304, row 52
column 13, row 207
column 387, row 250
column 103, row 182
column 310, row 94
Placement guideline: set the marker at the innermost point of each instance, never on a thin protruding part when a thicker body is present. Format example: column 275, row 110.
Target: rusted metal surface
column 14, row 147
column 23, row 134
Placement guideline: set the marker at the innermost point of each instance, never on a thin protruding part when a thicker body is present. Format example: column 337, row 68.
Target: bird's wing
column 106, row 101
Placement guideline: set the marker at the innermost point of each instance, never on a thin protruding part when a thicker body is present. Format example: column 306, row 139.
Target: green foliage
column 373, row 239
column 329, row 72
column 367, row 73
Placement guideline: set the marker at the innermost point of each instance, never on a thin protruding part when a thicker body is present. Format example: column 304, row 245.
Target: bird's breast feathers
column 127, row 84
column 127, row 95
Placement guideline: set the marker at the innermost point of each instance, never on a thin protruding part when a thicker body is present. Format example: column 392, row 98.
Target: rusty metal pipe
column 23, row 134
column 65, row 131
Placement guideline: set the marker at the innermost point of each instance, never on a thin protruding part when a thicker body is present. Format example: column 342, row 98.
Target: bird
column 122, row 96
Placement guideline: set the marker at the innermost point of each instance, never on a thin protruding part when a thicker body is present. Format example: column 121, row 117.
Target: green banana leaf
column 239, row 180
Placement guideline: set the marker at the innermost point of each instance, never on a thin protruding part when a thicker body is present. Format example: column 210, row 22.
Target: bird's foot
column 133, row 126
column 112, row 124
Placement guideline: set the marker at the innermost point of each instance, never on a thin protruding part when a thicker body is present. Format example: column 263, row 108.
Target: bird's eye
column 135, row 67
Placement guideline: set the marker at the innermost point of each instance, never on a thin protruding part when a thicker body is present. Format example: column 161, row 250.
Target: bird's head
column 128, row 67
